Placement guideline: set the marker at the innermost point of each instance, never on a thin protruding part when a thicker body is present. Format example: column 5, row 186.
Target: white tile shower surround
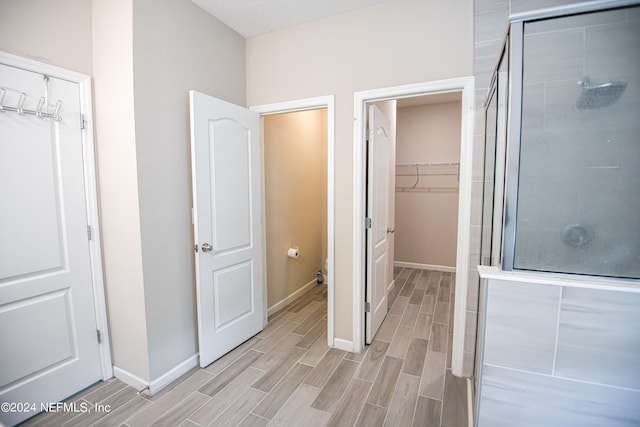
column 490, row 25
column 287, row 376
column 560, row 355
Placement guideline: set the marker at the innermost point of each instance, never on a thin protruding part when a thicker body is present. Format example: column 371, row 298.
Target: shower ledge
column 558, row 279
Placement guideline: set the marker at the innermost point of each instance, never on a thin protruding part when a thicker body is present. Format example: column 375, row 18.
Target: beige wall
column 427, row 222
column 144, row 57
column 295, row 146
column 54, row 32
column 397, row 42
column 118, row 184
column 176, row 47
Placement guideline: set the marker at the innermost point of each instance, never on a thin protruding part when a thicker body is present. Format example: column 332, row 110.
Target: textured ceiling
column 253, row 17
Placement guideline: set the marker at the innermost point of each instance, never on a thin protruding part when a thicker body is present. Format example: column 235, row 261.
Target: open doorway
column 295, row 171
column 441, row 174
column 303, row 122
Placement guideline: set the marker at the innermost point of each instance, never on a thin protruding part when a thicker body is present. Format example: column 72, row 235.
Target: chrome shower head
column 598, row 96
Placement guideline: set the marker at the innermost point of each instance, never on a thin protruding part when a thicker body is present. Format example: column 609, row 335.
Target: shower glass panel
column 578, row 202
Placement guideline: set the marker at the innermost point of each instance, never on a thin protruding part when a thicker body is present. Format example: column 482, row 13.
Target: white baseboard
column 130, row 379
column 159, row 383
column 282, row 303
column 341, row 344
column 173, row 374
column 444, row 268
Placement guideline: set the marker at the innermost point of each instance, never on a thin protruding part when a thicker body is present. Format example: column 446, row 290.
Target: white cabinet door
column 48, row 343
column 228, row 226
column 378, row 168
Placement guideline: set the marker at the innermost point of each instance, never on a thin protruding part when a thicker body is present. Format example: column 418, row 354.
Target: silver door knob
column 391, row 230
column 206, row 247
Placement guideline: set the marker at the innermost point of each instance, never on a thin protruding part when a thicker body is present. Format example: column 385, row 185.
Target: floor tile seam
column 378, row 373
column 120, row 408
column 230, row 404
column 178, row 404
column 124, row 386
column 322, row 319
column 286, row 401
column 293, row 365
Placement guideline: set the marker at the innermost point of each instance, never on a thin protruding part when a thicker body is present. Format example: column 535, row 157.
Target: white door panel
column 48, row 333
column 231, row 204
column 378, row 211
column 227, row 194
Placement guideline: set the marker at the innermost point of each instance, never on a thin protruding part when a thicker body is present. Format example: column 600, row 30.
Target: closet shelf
column 427, row 169
column 416, row 171
column 427, row 189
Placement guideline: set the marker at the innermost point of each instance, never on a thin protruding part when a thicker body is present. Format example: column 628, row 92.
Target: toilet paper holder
column 293, row 252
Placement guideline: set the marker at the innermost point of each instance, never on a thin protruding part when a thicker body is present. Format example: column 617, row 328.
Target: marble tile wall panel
column 523, row 399
column 485, row 61
column 491, row 19
column 599, row 337
column 521, row 323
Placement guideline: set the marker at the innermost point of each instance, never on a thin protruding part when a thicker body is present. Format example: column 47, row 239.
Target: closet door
column 49, row 346
column 378, row 193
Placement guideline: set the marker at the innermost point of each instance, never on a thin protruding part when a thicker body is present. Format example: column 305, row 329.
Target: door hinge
column 367, row 223
column 367, row 307
column 89, row 232
column 99, row 335
column 83, row 123
column 368, row 135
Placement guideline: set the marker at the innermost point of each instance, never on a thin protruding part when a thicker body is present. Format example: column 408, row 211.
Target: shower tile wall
column 560, row 356
column 491, row 23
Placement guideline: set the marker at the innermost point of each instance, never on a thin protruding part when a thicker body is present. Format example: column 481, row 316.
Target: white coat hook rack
column 40, row 111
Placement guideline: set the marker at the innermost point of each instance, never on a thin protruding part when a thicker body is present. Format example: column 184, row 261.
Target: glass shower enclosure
column 573, row 157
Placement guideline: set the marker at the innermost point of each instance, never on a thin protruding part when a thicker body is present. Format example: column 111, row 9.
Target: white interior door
column 378, row 169
column 228, row 226
column 48, row 343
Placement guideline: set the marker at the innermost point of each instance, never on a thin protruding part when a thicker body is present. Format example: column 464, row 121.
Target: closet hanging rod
column 427, row 164
column 37, row 112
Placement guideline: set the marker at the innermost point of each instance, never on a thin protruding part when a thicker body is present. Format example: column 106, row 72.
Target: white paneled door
column 378, row 172
column 48, row 339
column 228, row 226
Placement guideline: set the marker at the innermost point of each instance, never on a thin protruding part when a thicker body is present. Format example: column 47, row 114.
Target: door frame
column 327, row 102
column 465, row 85
column 91, row 194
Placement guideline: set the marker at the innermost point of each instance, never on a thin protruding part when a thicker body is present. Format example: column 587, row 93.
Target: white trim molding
column 327, row 102
column 286, row 300
column 130, row 379
column 344, row 345
column 173, row 374
column 93, row 218
column 152, row 387
column 420, row 266
column 465, row 85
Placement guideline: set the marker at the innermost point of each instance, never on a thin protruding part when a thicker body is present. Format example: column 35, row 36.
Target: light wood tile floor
column 287, row 376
